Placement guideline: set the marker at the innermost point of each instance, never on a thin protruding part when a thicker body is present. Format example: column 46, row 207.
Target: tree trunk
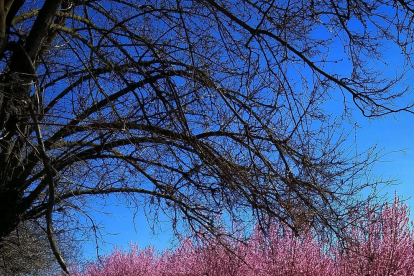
column 15, row 88
column 10, row 215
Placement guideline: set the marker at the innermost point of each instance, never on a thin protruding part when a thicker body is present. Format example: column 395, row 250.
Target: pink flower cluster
column 382, row 244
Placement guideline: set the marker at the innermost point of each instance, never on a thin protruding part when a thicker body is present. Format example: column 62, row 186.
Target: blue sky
column 392, row 135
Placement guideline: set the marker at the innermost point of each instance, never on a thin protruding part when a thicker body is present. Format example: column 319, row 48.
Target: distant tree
column 192, row 108
column 23, row 252
column 26, row 251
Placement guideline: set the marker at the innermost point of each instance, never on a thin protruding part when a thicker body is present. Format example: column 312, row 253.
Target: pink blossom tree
column 380, row 243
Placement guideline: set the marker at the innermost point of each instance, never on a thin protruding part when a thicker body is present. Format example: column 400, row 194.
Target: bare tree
column 197, row 109
column 26, row 251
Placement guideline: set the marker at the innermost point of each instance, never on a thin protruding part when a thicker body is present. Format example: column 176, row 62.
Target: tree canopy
column 198, row 109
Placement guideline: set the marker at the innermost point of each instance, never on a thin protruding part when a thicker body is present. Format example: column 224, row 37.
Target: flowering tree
column 381, row 243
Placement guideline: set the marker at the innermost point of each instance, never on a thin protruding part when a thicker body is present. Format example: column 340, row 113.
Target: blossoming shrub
column 382, row 243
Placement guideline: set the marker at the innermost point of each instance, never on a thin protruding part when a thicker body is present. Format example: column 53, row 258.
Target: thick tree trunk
column 10, row 215
column 15, row 89
column 12, row 106
column 2, row 28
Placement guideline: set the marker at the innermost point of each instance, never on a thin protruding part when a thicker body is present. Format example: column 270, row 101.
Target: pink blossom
column 382, row 243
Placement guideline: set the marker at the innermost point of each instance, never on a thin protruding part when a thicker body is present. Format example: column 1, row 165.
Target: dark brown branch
column 51, row 200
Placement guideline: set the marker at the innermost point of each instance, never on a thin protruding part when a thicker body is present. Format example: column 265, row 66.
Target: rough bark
column 15, row 86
